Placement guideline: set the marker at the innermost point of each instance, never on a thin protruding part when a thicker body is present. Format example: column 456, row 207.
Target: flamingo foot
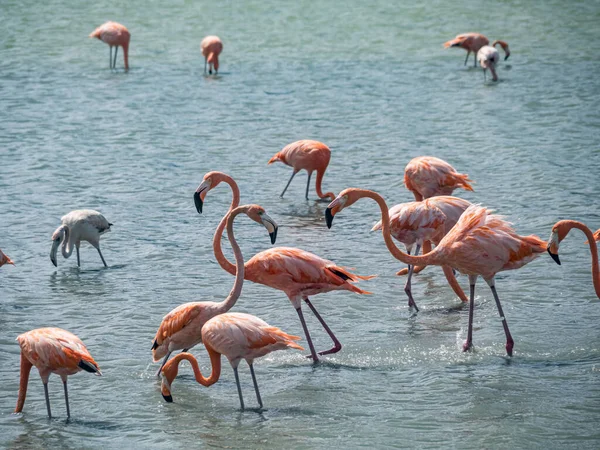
column 509, row 347
column 336, row 348
column 467, row 346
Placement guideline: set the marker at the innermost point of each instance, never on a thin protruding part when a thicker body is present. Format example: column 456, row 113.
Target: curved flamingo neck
column 568, row 226
column 387, row 235
column 236, row 290
column 25, row 369
column 218, row 250
column 215, row 362
column 320, row 174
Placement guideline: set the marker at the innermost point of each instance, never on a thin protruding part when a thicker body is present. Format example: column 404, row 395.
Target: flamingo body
column 488, row 58
column 115, row 35
column 471, row 42
column 428, row 176
column 211, row 47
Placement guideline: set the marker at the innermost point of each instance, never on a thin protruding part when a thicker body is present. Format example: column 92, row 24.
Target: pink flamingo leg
column 260, row 403
column 407, row 286
column 239, row 388
column 288, row 183
column 308, row 184
column 337, row 346
column 469, row 343
column 509, row 340
column 114, row 64
column 313, row 353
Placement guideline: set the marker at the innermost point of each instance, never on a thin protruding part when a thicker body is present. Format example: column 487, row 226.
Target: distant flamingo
column 115, row 35
column 79, row 225
column 237, row 336
column 488, row 58
column 472, row 42
column 182, row 327
column 211, row 47
column 306, row 155
column 480, row 243
column 5, row 259
column 430, row 220
column 560, row 230
column 52, row 350
column 298, row 273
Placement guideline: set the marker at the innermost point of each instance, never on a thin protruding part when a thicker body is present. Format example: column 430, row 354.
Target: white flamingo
column 79, row 225
column 488, row 57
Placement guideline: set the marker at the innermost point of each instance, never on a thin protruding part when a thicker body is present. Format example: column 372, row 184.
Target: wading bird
column 429, row 220
column 299, row 274
column 181, row 329
column 488, row 57
column 237, row 336
column 79, row 225
column 5, row 259
column 560, row 230
column 472, row 42
column 52, row 350
column 115, row 35
column 480, row 243
column 211, row 47
column 306, row 155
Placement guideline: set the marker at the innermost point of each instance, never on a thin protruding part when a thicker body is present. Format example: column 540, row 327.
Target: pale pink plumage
column 115, row 35
column 211, row 47
column 428, row 176
column 471, row 42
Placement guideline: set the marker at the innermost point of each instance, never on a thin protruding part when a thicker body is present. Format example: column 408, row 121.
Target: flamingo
column 430, row 220
column 52, row 350
column 472, row 42
column 560, row 230
column 79, row 225
column 237, row 336
column 488, row 58
column 211, row 47
column 480, row 243
column 310, row 156
column 5, row 259
column 115, row 35
column 299, row 274
column 181, row 328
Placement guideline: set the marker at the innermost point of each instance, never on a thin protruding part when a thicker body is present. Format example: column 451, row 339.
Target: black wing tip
column 88, row 366
column 340, row 274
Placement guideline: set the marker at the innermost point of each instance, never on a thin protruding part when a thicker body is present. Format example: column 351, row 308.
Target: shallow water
column 374, row 83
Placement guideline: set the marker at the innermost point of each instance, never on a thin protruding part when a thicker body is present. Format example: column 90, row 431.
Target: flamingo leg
column 78, row 261
column 110, row 56
column 469, row 343
column 239, row 388
column 474, row 59
column 407, row 286
column 308, row 184
column 67, row 398
column 509, row 340
column 484, row 76
column 204, row 65
column 336, row 344
column 260, row 403
column 288, row 183
column 467, row 58
column 101, row 257
column 47, row 400
column 163, row 364
column 115, row 60
column 313, row 353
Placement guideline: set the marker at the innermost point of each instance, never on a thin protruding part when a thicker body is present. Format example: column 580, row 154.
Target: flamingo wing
column 175, row 321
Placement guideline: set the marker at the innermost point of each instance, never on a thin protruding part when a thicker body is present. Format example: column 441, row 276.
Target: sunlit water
column 375, row 84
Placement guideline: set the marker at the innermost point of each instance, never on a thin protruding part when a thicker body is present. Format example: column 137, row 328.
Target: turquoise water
column 374, row 83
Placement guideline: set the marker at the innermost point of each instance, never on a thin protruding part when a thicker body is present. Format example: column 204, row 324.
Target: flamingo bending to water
column 52, row 350
column 211, row 47
column 298, row 273
column 306, row 155
column 472, row 42
column 237, row 336
column 79, row 225
column 5, row 259
column 480, row 243
column 429, row 220
column 115, row 35
column 181, row 329
column 560, row 230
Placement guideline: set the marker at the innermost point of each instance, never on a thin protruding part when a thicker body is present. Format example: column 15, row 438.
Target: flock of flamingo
column 468, row 238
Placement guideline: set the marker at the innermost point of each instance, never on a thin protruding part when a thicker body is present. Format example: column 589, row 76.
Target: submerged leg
column 509, row 340
column 204, row 65
column 237, row 381
column 260, row 403
column 47, row 399
column 110, row 57
column 467, row 58
column 407, row 286
column 474, row 59
column 308, row 184
column 101, row 257
column 67, row 398
column 77, row 248
column 288, row 183
column 469, row 344
column 336, row 344
column 313, row 353
column 115, row 60
column 164, row 361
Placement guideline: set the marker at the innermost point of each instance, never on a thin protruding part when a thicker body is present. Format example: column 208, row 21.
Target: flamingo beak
column 198, row 202
column 165, row 389
column 168, row 398
column 271, row 227
column 55, row 244
column 554, row 256
column 328, row 217
column 200, row 194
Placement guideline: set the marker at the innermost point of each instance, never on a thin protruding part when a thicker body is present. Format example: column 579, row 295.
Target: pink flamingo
column 211, row 47
column 480, row 243
column 5, row 259
column 115, row 35
column 298, row 273
column 237, row 336
column 429, row 220
column 560, row 230
column 181, row 328
column 52, row 350
column 472, row 42
column 306, row 155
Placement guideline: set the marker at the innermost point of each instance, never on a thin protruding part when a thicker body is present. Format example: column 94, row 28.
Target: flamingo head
column 504, row 46
column 5, row 259
column 210, row 181
column 344, row 199
column 258, row 214
column 559, row 232
column 169, row 373
column 60, row 234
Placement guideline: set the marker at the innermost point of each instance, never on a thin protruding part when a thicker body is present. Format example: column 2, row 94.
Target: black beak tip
column 273, row 236
column 168, row 398
column 554, row 256
column 198, row 202
column 506, row 57
column 328, row 217
column 54, row 262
